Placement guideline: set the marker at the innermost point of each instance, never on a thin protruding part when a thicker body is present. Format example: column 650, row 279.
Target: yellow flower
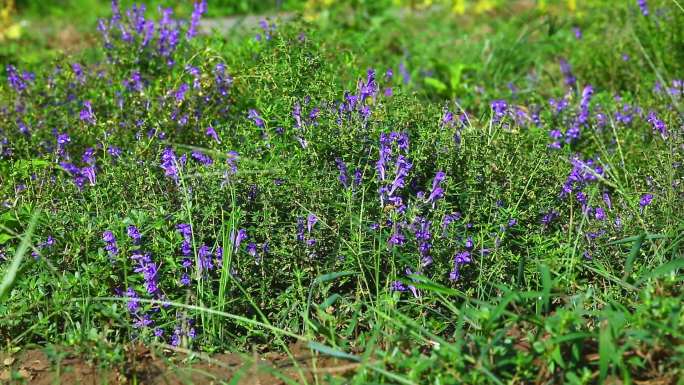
column 483, row 6
column 459, row 7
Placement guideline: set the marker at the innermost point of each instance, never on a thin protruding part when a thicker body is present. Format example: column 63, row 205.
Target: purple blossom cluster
column 359, row 104
column 393, row 166
column 110, row 243
column 134, row 32
column 414, row 217
column 42, row 246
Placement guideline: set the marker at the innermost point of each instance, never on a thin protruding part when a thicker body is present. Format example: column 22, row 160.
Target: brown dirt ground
column 144, row 367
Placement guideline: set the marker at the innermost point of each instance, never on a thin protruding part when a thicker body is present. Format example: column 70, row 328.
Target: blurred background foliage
column 32, row 31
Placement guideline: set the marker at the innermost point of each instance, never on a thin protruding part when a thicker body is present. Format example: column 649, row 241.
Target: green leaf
column 435, row 84
column 4, row 238
column 332, row 276
column 606, row 350
column 329, row 301
column 662, row 270
column 632, row 255
column 327, row 350
column 546, row 285
column 13, row 269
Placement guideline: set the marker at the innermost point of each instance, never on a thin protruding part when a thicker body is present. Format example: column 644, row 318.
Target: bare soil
column 144, row 366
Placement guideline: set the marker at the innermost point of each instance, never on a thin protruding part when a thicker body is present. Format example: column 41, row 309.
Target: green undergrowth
column 535, row 260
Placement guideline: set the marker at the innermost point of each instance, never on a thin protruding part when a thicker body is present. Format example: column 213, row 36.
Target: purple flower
column 342, row 167
column 499, row 107
column 587, row 93
column 300, row 229
column 566, row 70
column 421, row 229
column 89, row 173
column 397, row 286
column 232, row 162
column 199, row 8
column 578, row 32
column 185, row 230
column 397, row 239
column 180, row 93
column 254, row 115
column 460, row 259
column 168, row 35
column 202, row 158
column 311, row 220
column 204, row 255
column 114, row 151
column 643, row 6
column 14, row 79
column 549, row 217
column 437, row 191
column 657, row 124
column 133, row 303
column 392, row 169
column 455, row 273
column 185, row 279
column 170, row 163
column 297, row 115
column 142, row 322
column 219, row 256
column 268, row 29
column 148, row 269
column 176, row 337
column 211, row 132
column 599, row 213
column 241, row 236
column 88, row 156
column 63, row 139
column 86, row 113
column 134, row 234
column 645, row 200
column 110, row 243
column 253, row 251
column 607, row 200
column 357, row 177
column 449, row 218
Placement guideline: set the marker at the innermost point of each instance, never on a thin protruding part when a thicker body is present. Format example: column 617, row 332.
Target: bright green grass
column 533, row 309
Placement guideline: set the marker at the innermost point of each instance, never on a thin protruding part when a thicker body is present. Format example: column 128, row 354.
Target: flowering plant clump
column 200, row 191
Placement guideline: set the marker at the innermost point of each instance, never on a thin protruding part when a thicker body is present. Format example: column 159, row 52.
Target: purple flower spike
column 657, row 124
column 133, row 303
column 344, row 179
column 499, row 107
column 643, row 6
column 645, row 200
column 256, row 118
column 148, row 269
column 200, row 7
column 110, row 243
column 86, row 113
column 185, row 230
column 134, row 234
column 397, row 239
column 211, row 132
column 241, row 236
column 437, row 191
column 600, row 214
column 310, row 222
